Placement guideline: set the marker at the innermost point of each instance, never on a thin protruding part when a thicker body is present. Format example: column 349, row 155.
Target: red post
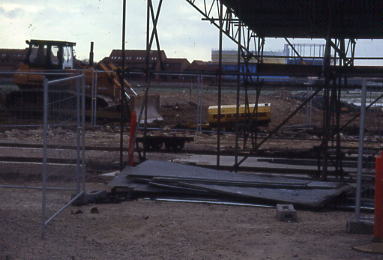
column 378, row 218
column 132, row 138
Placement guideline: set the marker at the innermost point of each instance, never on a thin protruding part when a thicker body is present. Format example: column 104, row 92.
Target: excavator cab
column 50, row 54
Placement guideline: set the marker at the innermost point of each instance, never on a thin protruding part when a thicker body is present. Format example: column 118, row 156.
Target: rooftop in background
column 11, row 58
column 135, row 56
column 49, row 42
column 358, row 19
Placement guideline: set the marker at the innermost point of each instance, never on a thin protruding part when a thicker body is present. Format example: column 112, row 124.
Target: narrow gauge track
column 274, row 159
column 346, row 204
column 261, row 153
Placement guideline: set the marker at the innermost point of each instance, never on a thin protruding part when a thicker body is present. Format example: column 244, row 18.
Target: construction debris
column 159, row 178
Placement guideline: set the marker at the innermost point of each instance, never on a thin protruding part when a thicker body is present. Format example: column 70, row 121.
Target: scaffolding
column 331, row 64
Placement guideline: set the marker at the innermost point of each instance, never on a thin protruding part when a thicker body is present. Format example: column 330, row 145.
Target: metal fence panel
column 42, row 127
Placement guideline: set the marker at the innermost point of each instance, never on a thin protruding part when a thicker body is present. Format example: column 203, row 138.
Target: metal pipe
column 360, row 151
column 63, row 208
column 326, row 111
column 64, row 79
column 122, row 78
column 237, row 99
column 37, row 73
column 276, row 129
column 148, row 47
column 95, row 95
column 93, row 107
column 91, row 54
column 219, row 85
column 199, row 106
column 83, row 119
column 35, row 188
column 78, row 135
column 214, row 75
column 154, row 31
column 225, row 203
column 45, row 158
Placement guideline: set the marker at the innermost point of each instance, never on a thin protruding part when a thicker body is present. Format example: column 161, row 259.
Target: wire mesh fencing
column 42, row 137
column 63, row 141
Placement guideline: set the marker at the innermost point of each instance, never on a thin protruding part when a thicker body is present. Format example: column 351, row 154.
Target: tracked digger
column 55, row 59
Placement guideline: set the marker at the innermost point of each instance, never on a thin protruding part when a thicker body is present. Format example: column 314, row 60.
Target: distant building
column 11, row 58
column 231, row 57
column 200, row 67
column 173, row 69
column 135, row 62
column 206, row 68
column 177, row 65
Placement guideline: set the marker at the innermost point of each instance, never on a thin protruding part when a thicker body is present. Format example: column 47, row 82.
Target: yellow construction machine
column 52, row 59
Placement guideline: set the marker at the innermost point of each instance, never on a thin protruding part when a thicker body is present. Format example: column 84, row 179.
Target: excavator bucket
column 137, row 102
column 153, row 113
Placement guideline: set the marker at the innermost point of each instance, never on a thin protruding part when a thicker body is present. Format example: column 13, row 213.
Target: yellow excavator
column 44, row 58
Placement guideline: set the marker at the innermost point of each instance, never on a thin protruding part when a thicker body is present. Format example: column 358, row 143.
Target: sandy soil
column 162, row 230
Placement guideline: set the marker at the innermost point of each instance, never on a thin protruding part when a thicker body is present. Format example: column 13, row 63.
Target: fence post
column 83, row 128
column 45, row 158
column 378, row 216
column 78, row 134
column 360, row 151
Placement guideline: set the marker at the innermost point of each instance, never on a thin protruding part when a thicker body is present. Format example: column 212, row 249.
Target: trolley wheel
column 156, row 145
column 174, row 146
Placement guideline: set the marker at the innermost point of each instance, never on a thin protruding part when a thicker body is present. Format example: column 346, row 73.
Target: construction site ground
column 147, row 229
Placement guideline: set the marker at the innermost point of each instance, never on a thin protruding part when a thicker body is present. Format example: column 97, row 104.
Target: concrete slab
column 161, row 176
column 150, row 169
column 251, row 162
column 311, row 198
column 360, row 226
column 286, row 213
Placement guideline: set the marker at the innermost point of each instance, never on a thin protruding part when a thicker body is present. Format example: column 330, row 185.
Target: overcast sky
column 181, row 31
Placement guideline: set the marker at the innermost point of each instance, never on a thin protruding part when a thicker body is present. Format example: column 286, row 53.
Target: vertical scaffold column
column 239, row 51
column 219, row 85
column 147, row 71
column 378, row 214
column 326, row 111
column 122, row 78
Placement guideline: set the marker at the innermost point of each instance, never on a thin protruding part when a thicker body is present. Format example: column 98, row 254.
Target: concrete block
column 360, row 226
column 286, row 212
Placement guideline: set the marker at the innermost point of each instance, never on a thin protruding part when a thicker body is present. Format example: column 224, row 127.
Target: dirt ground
column 180, row 107
column 146, row 229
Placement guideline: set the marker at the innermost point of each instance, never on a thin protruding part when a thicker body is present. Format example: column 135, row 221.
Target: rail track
column 95, row 165
column 298, row 158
